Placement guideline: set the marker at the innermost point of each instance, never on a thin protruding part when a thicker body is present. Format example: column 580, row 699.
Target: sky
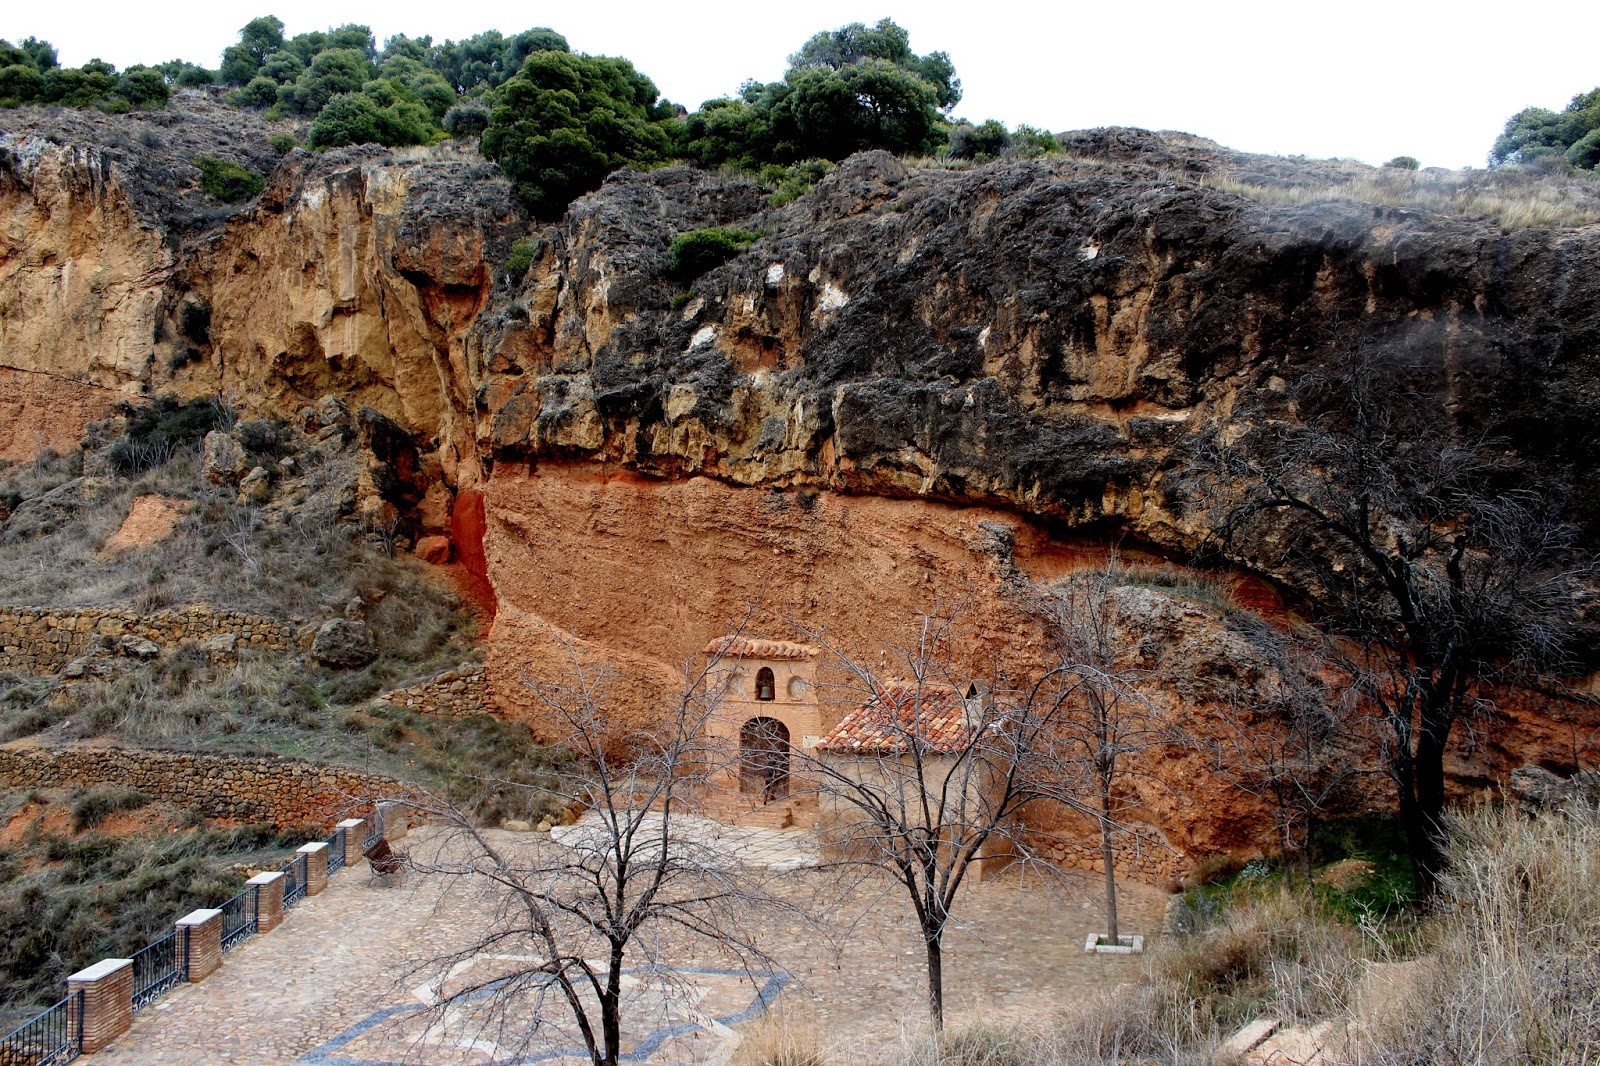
column 1358, row 79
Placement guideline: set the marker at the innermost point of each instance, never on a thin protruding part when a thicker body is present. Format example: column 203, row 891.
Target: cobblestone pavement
column 343, row 981
column 778, row 850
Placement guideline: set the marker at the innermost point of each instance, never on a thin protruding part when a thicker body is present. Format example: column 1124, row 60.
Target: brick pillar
column 355, row 834
column 107, row 989
column 269, row 900
column 393, row 819
column 316, row 854
column 201, row 931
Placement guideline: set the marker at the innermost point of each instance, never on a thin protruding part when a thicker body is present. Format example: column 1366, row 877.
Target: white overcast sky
column 1359, row 79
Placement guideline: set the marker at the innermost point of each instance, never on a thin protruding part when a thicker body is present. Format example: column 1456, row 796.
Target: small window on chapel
column 766, row 687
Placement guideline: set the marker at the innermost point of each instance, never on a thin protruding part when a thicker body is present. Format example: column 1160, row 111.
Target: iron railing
column 239, row 916
column 336, row 851
column 158, row 966
column 294, row 881
column 50, row 1037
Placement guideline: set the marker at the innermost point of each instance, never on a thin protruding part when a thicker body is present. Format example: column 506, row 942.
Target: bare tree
column 928, row 777
column 1093, row 695
column 634, row 882
column 1423, row 544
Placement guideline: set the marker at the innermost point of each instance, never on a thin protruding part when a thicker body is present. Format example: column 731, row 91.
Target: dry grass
column 778, row 1038
column 1128, row 1024
column 1277, row 955
column 1513, row 974
column 1512, row 198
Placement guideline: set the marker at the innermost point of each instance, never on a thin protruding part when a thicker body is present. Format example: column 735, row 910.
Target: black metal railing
column 294, row 881
column 50, row 1037
column 239, row 916
column 158, row 966
column 336, row 851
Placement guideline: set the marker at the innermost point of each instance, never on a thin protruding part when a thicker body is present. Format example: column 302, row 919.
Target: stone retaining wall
column 452, row 694
column 284, row 792
column 1141, row 855
column 44, row 639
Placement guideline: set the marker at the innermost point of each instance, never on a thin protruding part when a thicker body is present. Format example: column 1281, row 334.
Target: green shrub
column 1403, row 162
column 102, row 801
column 466, row 120
column 195, row 321
column 700, row 250
column 158, row 429
column 227, row 181
column 566, row 121
column 789, row 183
column 521, row 259
column 283, row 143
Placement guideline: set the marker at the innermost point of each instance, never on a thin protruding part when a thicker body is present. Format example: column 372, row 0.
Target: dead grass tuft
column 1511, row 197
column 778, row 1038
column 1512, row 974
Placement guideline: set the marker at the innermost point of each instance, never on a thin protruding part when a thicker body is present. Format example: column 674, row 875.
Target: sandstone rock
column 343, row 644
column 1537, row 789
column 330, row 413
column 222, row 647
column 434, row 550
column 256, row 487
column 139, row 648
column 46, row 512
column 222, row 460
column 436, row 507
column 515, row 825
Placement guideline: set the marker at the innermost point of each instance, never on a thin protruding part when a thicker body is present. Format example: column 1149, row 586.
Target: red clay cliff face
column 42, row 411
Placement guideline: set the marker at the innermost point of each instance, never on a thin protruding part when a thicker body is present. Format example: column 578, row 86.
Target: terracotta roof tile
column 731, row 647
column 900, row 713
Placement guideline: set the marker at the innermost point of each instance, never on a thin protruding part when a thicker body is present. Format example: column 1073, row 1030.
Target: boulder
column 343, row 644
column 1537, row 789
column 222, row 461
column 256, row 486
column 329, row 413
column 434, row 550
column 220, row 648
column 138, row 648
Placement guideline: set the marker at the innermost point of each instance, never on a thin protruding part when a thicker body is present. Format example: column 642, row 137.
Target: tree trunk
column 935, row 980
column 1108, row 859
column 611, row 1011
column 1425, row 826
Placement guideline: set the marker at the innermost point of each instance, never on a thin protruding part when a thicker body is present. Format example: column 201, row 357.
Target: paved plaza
column 360, row 975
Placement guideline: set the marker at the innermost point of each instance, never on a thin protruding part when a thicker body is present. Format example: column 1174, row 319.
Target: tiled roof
column 899, row 715
column 751, row 648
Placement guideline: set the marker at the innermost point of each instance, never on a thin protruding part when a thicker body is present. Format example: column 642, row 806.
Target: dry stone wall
column 453, row 694
column 1141, row 853
column 284, row 792
column 44, row 639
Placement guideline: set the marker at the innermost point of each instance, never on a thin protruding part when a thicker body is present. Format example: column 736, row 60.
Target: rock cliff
column 833, row 425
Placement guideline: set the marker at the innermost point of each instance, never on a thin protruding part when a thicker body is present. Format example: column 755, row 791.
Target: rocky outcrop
column 913, row 379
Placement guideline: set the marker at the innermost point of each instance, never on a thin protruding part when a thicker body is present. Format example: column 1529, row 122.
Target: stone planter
column 1125, row 945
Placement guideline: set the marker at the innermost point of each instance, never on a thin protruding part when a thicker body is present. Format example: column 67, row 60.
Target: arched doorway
column 764, row 759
